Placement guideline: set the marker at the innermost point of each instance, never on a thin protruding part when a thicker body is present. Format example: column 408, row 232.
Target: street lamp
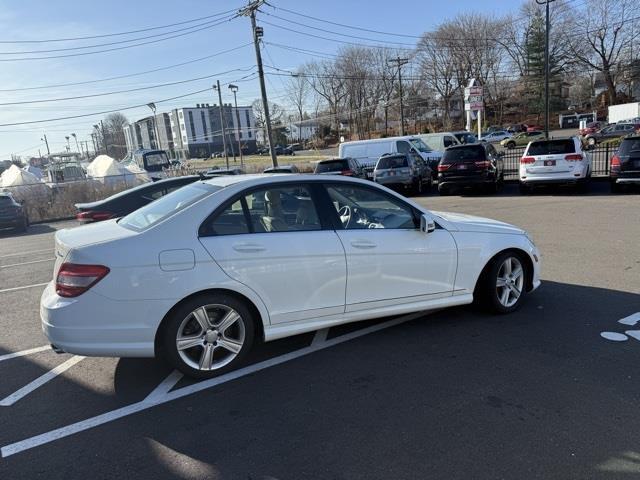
column 76, row 139
column 152, row 106
column 234, row 89
column 68, row 146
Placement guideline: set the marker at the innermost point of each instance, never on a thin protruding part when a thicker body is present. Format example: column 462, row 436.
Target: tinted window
column 167, row 206
column 392, row 162
column 403, row 147
column 5, row 200
column 552, row 147
column 463, row 154
column 232, row 221
column 282, row 209
column 448, row 141
column 363, row 208
column 628, row 146
column 332, row 166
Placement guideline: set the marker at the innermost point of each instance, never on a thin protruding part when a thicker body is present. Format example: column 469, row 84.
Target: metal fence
column 601, row 156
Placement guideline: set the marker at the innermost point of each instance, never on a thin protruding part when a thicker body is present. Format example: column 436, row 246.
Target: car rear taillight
column 575, row 157
column 75, row 279
column 483, row 164
column 92, row 216
column 443, row 168
column 526, row 160
column 615, row 165
column 347, row 172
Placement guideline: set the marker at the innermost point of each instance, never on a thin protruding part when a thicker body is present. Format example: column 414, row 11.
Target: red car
column 535, row 128
column 592, row 127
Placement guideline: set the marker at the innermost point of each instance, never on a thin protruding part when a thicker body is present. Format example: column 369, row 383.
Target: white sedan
column 199, row 275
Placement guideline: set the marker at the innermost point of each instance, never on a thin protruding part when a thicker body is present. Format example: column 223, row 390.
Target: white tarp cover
column 14, row 177
column 109, row 171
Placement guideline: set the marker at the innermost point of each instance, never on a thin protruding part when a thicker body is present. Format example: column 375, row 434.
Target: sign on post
column 473, row 98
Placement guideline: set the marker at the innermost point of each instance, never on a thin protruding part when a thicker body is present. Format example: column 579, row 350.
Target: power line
column 229, row 18
column 103, row 94
column 90, row 37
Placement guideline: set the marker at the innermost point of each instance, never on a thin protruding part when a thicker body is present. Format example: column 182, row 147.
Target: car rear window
column 392, row 162
column 4, row 200
column 629, row 145
column 332, row 166
column 552, row 147
column 157, row 211
column 463, row 154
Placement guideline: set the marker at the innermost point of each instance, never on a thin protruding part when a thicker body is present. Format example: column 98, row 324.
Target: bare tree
column 114, row 125
column 298, row 92
column 602, row 35
column 326, row 82
column 275, row 112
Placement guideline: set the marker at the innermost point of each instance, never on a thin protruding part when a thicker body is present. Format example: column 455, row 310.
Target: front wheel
column 511, row 145
column 208, row 335
column 502, row 286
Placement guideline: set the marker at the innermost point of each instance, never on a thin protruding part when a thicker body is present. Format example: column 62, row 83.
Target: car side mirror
column 427, row 225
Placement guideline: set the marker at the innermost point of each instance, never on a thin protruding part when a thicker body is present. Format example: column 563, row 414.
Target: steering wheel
column 345, row 215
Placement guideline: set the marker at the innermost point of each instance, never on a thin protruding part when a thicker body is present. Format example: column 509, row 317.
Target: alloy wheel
column 210, row 337
column 510, row 282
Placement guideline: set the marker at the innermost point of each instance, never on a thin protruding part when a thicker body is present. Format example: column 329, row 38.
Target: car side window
column 282, row 209
column 231, row 221
column 403, row 147
column 448, row 141
column 359, row 207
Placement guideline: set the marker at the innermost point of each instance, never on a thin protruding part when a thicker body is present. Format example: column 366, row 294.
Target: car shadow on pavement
column 456, row 394
column 34, row 229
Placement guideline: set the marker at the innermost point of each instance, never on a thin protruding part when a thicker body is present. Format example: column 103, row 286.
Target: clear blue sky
column 38, row 19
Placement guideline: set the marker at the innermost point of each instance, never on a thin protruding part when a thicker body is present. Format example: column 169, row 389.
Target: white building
column 196, row 132
column 302, row 131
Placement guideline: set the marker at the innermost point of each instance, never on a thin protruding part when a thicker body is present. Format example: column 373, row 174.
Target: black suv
column 12, row 214
column 340, row 166
column 625, row 164
column 475, row 165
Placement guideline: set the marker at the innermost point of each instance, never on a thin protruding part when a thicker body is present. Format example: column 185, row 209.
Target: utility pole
column 546, row 66
column 258, row 32
column 44, row 139
column 399, row 62
column 224, row 130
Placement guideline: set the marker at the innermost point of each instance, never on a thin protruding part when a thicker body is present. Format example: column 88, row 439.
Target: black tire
column 486, row 293
column 217, row 303
column 524, row 189
column 583, row 185
column 511, row 145
column 615, row 187
column 444, row 190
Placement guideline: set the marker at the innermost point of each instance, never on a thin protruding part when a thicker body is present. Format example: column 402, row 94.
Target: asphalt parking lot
column 455, row 394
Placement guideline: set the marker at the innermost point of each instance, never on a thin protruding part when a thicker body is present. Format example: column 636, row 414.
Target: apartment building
column 195, row 132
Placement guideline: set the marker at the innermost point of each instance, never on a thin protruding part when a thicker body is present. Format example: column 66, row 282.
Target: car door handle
column 363, row 244
column 248, row 247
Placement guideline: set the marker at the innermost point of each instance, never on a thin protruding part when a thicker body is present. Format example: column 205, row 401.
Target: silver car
column 403, row 171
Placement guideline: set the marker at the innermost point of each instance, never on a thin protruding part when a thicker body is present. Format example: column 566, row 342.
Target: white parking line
column 38, row 382
column 13, row 289
column 22, row 353
column 631, row 320
column 164, row 387
column 27, row 263
column 320, row 336
column 107, row 417
column 26, row 253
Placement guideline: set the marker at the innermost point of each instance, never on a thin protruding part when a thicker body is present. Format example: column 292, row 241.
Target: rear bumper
column 466, row 180
column 625, row 180
column 94, row 325
column 571, row 177
column 395, row 181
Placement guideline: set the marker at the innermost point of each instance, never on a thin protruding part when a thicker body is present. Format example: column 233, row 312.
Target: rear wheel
column 511, row 145
column 591, row 142
column 443, row 190
column 502, row 286
column 208, row 335
column 524, row 189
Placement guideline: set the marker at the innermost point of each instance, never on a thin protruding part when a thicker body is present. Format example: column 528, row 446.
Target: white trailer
column 624, row 111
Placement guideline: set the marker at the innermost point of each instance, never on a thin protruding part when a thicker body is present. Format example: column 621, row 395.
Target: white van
column 439, row 141
column 367, row 152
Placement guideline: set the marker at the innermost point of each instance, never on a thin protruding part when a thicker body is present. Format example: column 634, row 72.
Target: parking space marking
column 320, row 336
column 22, row 353
column 38, row 382
column 164, row 387
column 614, row 336
column 27, row 263
column 631, row 320
column 26, row 253
column 107, row 417
column 633, row 334
column 13, row 289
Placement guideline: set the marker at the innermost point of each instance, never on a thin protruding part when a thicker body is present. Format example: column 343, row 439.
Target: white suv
column 555, row 161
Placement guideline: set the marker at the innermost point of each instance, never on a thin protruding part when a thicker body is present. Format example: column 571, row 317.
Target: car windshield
column 629, row 145
column 552, row 147
column 166, row 206
column 420, row 145
column 392, row 162
column 332, row 166
column 470, row 153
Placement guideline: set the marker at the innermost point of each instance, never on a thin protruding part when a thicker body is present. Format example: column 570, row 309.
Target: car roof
column 333, row 159
column 266, row 179
column 468, row 145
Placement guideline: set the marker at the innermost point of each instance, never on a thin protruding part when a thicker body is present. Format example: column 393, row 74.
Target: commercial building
column 195, row 132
